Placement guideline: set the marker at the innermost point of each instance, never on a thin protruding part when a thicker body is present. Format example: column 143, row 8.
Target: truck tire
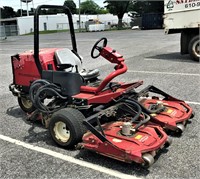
column 66, row 127
column 194, row 48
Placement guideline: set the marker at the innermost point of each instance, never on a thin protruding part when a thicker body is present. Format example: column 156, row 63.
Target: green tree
column 147, row 7
column 102, row 11
column 51, row 11
column 71, row 5
column 7, row 12
column 118, row 8
column 89, row 7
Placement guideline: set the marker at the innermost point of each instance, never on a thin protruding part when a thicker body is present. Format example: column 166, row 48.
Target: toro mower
column 81, row 110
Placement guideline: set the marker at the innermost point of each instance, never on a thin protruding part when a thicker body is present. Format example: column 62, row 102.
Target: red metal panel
column 175, row 112
column 105, row 96
column 25, row 69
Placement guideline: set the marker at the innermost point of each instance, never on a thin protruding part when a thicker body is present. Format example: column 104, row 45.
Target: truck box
column 183, row 16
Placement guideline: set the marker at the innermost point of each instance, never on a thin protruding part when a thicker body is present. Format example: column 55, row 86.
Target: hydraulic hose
column 136, row 105
column 148, row 111
column 146, row 119
column 42, row 89
column 139, row 112
column 34, row 86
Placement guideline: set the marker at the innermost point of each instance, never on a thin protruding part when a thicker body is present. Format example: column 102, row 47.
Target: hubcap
column 62, row 133
column 26, row 103
column 196, row 48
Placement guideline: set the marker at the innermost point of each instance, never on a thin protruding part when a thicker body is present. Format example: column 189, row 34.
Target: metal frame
column 36, row 31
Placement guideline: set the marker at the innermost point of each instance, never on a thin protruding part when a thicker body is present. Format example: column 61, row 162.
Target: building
column 24, row 25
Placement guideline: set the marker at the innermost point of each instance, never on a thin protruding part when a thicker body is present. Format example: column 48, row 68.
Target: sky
column 15, row 4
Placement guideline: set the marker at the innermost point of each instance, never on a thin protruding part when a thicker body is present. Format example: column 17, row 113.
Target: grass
column 47, row 32
column 76, row 31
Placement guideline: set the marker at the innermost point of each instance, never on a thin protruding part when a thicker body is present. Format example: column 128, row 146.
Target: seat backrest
column 66, row 56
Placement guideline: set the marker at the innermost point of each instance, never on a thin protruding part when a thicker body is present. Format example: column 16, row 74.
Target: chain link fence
column 109, row 24
column 8, row 30
column 2, row 33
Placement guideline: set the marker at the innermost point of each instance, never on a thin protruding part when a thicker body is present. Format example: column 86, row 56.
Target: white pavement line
column 69, row 159
column 191, row 102
column 164, row 73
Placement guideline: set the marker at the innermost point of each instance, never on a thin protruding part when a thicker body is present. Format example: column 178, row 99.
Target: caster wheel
column 148, row 160
column 168, row 142
column 193, row 114
column 180, row 128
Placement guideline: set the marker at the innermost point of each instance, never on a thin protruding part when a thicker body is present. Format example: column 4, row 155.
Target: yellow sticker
column 169, row 111
column 138, row 137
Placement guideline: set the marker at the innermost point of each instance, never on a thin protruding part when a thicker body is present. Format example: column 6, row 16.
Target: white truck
column 183, row 16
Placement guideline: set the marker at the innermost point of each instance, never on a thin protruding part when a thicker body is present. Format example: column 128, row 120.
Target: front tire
column 66, row 127
column 194, row 48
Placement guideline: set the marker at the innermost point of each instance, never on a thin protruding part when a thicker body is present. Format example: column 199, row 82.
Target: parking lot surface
column 27, row 150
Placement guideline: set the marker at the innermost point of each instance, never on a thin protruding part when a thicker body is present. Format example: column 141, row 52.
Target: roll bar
column 36, row 31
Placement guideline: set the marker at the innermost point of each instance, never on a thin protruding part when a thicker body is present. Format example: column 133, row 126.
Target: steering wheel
column 99, row 48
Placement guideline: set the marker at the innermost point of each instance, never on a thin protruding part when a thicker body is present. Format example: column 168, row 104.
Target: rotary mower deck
column 81, row 110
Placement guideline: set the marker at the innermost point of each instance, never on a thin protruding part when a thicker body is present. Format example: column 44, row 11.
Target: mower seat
column 66, row 58
column 90, row 74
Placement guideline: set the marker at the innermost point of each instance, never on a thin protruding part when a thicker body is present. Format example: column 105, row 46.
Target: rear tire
column 26, row 104
column 66, row 127
column 194, row 48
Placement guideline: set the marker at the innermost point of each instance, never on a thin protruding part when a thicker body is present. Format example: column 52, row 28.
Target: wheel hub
column 61, row 131
column 26, row 103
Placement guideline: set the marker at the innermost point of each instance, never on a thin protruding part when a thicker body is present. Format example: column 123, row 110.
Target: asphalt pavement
column 27, row 150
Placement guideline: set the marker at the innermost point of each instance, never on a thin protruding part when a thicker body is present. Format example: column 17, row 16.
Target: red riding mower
column 79, row 109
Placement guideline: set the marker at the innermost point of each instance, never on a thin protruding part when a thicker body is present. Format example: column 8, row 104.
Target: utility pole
column 79, row 15
column 21, row 7
column 27, row 7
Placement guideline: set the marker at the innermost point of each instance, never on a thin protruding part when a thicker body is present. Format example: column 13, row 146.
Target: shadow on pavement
column 126, row 168
column 176, row 56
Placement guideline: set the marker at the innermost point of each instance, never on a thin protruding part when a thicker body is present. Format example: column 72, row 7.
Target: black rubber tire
column 73, row 119
column 192, row 50
column 25, row 104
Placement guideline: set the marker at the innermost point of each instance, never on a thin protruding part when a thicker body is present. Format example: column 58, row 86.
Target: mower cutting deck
column 169, row 112
column 127, row 134
column 101, row 115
